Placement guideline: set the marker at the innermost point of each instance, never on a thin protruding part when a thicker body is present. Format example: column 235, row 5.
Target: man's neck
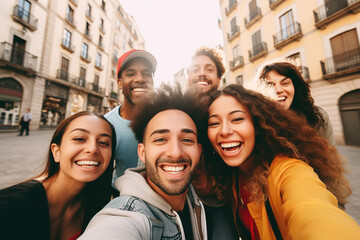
column 126, row 111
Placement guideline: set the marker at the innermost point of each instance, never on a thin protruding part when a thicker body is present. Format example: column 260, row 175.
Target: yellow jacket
column 302, row 206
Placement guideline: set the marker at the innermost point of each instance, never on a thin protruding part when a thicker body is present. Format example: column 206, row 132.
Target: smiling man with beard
column 157, row 201
column 135, row 77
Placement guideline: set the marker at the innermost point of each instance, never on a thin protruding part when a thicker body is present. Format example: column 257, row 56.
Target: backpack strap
column 272, row 220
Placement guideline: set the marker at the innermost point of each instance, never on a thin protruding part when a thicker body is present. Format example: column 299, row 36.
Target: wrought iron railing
column 341, row 62
column 257, row 49
column 25, row 16
column 328, row 9
column 234, row 31
column 252, row 15
column 17, row 56
column 287, row 32
column 232, row 4
column 238, row 61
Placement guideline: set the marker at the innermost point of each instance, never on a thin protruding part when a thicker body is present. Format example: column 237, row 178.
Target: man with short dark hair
column 135, row 70
column 206, row 69
column 156, row 201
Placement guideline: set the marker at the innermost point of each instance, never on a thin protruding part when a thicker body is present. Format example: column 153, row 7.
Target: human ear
column 119, row 83
column 55, row 149
column 141, row 152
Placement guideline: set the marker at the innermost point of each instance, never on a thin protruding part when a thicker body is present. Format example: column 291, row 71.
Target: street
column 22, row 157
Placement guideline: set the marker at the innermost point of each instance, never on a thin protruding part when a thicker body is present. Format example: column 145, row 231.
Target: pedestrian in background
column 73, row 187
column 284, row 180
column 294, row 93
column 25, row 122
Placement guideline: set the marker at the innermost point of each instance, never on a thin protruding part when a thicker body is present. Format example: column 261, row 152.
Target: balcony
column 85, row 58
column 24, row 17
column 79, row 82
column 102, row 29
column 236, row 63
column 342, row 64
column 333, row 10
column 88, row 35
column 235, row 31
column 253, row 17
column 101, row 46
column 274, row 3
column 70, row 21
column 75, row 2
column 231, row 7
column 17, row 58
column 114, row 95
column 287, row 35
column 305, row 73
column 258, row 51
column 99, row 67
column 67, row 46
column 89, row 17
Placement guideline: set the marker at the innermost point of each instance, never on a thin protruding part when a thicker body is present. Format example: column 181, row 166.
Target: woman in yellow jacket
column 282, row 178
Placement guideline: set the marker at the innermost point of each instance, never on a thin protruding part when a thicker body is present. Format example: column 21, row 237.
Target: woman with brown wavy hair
column 294, row 93
column 258, row 152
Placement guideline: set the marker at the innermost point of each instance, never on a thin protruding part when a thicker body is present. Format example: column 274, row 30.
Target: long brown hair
column 95, row 194
column 277, row 132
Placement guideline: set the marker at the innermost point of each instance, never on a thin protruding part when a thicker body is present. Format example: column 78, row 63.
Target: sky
column 174, row 29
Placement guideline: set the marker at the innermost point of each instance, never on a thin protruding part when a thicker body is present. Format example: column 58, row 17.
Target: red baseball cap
column 134, row 53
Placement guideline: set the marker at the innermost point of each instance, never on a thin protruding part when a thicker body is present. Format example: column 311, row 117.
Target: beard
column 170, row 187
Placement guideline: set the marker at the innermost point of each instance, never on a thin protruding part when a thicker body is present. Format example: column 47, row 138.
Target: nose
column 226, row 129
column 91, row 147
column 278, row 88
column 174, row 150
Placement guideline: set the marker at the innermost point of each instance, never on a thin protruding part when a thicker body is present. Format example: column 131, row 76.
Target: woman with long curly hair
column 294, row 93
column 74, row 185
column 261, row 155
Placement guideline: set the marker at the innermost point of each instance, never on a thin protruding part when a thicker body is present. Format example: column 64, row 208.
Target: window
column 103, row 5
column 100, row 41
column 296, row 61
column 96, row 80
column 70, row 14
column 82, row 77
column 88, row 11
column 239, row 79
column 101, row 24
column 256, row 42
column 236, row 52
column 233, row 25
column 287, row 25
column 24, row 10
column 87, row 29
column 98, row 60
column 66, row 39
column 84, row 51
column 64, row 70
column 113, row 72
column 253, row 9
column 116, row 39
column 111, row 86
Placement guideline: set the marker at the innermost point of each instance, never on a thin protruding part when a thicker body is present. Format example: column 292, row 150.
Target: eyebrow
column 87, row 131
column 232, row 112
column 184, row 130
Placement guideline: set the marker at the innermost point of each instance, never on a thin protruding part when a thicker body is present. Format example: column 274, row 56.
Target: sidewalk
column 24, row 157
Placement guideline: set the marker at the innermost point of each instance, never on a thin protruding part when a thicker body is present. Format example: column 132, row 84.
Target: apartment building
column 320, row 37
column 59, row 57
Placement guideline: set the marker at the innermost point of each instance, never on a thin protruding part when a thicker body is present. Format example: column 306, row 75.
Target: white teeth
column 173, row 169
column 139, row 90
column 86, row 162
column 230, row 145
column 202, row 83
column 281, row 98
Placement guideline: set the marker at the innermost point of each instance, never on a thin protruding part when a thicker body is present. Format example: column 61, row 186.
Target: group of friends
column 203, row 163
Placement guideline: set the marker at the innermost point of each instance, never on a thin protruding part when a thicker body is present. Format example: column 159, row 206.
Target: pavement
column 22, row 157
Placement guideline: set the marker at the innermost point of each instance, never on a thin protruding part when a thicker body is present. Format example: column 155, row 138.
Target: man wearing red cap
column 135, row 71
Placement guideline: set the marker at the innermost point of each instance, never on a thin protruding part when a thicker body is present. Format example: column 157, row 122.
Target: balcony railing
column 258, row 51
column 287, row 35
column 333, row 10
column 231, row 7
column 79, row 81
column 341, row 64
column 25, row 18
column 85, row 58
column 71, row 21
column 235, row 31
column 236, row 63
column 274, row 3
column 18, row 57
column 101, row 46
column 305, row 73
column 113, row 95
column 99, row 67
column 87, row 34
column 253, row 17
column 67, row 46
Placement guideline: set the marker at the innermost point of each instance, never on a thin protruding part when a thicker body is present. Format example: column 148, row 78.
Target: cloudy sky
column 174, row 29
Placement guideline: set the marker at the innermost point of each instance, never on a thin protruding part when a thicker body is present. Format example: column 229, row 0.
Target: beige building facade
column 59, row 57
column 320, row 37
